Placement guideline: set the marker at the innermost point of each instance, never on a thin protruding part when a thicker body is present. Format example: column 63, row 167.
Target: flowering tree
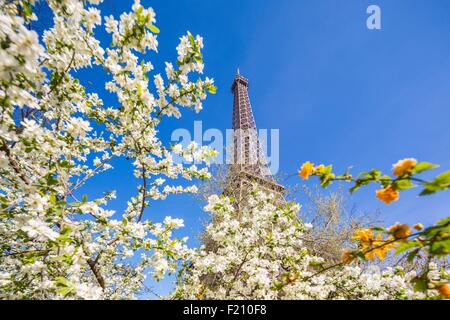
column 378, row 241
column 55, row 136
column 262, row 255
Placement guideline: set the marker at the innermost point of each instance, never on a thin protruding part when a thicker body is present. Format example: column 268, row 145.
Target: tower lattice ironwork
column 249, row 164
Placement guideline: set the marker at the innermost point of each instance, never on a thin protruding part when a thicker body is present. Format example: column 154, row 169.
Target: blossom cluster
column 260, row 253
column 55, row 136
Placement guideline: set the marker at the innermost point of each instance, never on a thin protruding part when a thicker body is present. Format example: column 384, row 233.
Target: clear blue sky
column 339, row 93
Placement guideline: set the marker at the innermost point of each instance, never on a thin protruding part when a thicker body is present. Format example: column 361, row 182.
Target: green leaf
column 442, row 179
column 360, row 255
column 154, row 29
column 316, row 263
column 61, row 281
column 420, row 284
column 429, row 189
column 355, row 187
column 441, row 247
column 65, row 290
column 326, row 179
column 278, row 285
column 29, row 259
column 64, row 286
column 139, row 89
column 198, row 58
column 423, row 166
column 374, row 174
column 26, row 9
column 66, row 231
column 65, row 164
column 139, row 10
column 212, row 89
column 412, row 255
column 441, row 182
column 385, row 180
column 51, row 181
column 444, row 221
column 379, row 229
column 191, row 39
column 405, row 246
column 328, row 169
column 403, row 184
column 365, row 178
column 52, row 199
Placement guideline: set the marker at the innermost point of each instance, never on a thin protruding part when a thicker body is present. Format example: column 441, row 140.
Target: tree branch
column 97, row 274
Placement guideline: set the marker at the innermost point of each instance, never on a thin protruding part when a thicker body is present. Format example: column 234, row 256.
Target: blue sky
column 339, row 93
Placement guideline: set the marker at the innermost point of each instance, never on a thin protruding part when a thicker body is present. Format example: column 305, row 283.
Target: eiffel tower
column 249, row 165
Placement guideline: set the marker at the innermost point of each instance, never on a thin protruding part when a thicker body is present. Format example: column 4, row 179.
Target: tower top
column 242, row 110
column 238, row 79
